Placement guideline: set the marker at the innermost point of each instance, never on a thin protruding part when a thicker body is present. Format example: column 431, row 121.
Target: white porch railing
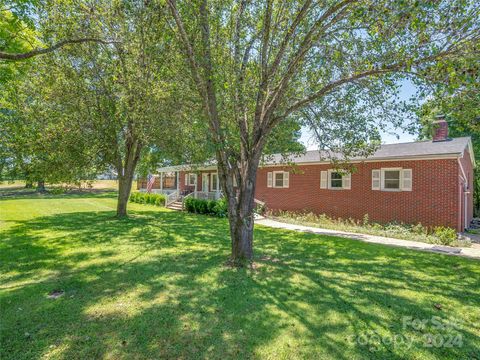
column 171, row 198
column 159, row 191
column 186, row 197
column 207, row 195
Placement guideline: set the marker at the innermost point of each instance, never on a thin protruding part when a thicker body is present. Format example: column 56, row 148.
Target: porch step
column 177, row 205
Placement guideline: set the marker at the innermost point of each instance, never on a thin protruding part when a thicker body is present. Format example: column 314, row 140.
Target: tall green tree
column 118, row 96
column 254, row 64
column 19, row 38
column 462, row 111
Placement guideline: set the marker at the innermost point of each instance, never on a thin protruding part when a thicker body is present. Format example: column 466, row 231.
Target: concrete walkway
column 470, row 252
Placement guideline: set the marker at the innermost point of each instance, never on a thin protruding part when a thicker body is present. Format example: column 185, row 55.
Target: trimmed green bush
column 145, row 198
column 188, row 204
column 207, row 207
column 221, row 208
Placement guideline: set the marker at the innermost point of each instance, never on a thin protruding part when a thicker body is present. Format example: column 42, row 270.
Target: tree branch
column 374, row 72
column 336, row 12
column 35, row 52
column 188, row 47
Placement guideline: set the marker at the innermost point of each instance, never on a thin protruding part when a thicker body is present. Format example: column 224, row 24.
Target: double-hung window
column 392, row 179
column 335, row 180
column 278, row 179
column 190, row 179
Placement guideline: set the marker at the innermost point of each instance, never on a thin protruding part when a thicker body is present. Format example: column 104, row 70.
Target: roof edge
column 470, row 150
column 391, row 158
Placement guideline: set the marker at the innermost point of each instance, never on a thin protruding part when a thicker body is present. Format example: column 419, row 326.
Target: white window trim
column 211, row 182
column 382, row 179
column 329, row 180
column 274, row 185
column 188, row 178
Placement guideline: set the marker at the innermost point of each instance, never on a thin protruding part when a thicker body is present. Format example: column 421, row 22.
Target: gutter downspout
column 463, row 191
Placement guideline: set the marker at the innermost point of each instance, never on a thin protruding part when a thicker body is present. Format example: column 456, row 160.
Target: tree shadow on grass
column 153, row 286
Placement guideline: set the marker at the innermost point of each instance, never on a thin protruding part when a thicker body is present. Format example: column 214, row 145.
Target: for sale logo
column 437, row 332
column 429, row 332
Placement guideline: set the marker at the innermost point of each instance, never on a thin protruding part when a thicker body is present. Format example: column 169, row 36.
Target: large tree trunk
column 241, row 228
column 240, row 213
column 126, row 172
column 124, row 188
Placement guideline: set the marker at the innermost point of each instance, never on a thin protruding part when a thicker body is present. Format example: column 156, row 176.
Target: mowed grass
column 155, row 286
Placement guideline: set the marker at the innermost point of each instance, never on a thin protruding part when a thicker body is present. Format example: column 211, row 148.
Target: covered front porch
column 202, row 185
column 165, row 182
column 178, row 183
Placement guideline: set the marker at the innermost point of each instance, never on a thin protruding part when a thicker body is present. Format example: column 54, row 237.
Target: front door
column 205, row 182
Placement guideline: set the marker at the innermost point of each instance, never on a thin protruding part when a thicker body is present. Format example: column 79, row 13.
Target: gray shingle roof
column 455, row 146
column 411, row 150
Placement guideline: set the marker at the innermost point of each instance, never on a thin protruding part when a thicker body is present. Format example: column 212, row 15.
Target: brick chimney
column 440, row 129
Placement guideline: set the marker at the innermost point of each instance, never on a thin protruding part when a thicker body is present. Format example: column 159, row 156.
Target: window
column 169, row 180
column 278, row 179
column 333, row 179
column 391, row 179
column 190, row 179
column 215, row 182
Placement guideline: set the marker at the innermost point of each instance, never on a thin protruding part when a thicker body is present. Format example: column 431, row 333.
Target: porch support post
column 161, row 182
column 178, row 180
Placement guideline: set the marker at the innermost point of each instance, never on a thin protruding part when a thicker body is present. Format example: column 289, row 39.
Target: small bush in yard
column 211, row 207
column 145, row 198
column 188, row 204
column 221, row 208
column 201, row 206
column 133, row 197
column 207, row 207
column 445, row 235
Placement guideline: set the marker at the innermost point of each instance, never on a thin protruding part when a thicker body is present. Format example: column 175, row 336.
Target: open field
column 12, row 184
column 95, row 185
column 155, row 286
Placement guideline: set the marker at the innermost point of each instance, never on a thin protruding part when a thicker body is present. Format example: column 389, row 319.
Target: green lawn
column 155, row 286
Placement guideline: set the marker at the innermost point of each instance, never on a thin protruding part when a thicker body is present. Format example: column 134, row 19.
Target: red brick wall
column 434, row 199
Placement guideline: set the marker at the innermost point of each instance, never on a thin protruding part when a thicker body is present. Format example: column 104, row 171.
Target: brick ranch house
column 427, row 182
